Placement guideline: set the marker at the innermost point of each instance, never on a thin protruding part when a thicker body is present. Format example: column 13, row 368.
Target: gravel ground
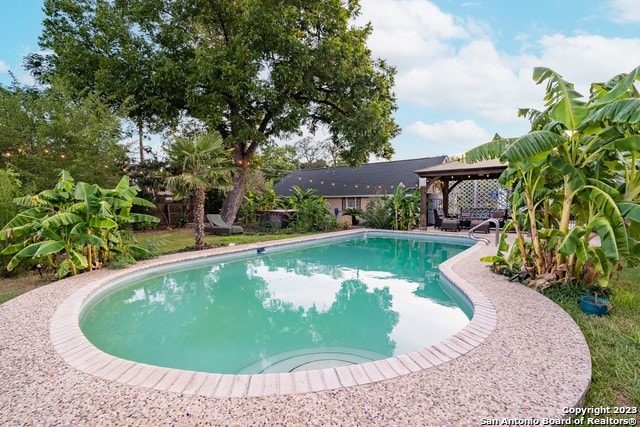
column 533, row 363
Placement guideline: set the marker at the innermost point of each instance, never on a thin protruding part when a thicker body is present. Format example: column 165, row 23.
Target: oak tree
column 252, row 70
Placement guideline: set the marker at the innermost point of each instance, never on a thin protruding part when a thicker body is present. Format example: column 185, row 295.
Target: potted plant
column 354, row 212
column 592, row 304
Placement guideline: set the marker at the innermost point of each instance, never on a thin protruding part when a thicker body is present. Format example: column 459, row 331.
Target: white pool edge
column 71, row 344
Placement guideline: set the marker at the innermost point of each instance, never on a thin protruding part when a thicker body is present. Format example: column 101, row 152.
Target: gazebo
column 451, row 174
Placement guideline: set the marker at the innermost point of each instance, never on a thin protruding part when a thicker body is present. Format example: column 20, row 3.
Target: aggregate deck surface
column 521, row 357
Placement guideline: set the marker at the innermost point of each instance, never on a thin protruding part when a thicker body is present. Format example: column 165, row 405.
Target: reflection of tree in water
column 406, row 259
column 357, row 318
column 223, row 319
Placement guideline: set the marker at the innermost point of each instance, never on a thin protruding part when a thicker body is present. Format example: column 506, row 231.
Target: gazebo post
column 445, row 196
column 424, row 203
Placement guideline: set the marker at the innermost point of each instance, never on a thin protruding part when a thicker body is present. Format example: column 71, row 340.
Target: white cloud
column 476, row 79
column 586, row 59
column 408, row 29
column 3, row 67
column 447, row 137
column 449, row 67
column 625, row 11
column 445, row 63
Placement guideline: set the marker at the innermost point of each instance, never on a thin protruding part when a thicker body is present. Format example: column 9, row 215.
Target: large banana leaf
column 60, row 219
column 630, row 210
column 622, row 87
column 607, row 236
column 564, row 104
column 96, row 222
column 623, row 111
column 47, row 248
column 87, row 193
column 90, row 239
column 26, row 217
column 137, row 217
column 573, row 243
column 615, row 229
column 142, row 202
column 26, row 252
column 487, row 151
column 532, row 145
column 35, row 250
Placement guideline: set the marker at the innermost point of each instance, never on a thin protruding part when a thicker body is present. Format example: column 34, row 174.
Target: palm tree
column 205, row 165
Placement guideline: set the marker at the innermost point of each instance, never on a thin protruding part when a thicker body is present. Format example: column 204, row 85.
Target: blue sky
column 464, row 67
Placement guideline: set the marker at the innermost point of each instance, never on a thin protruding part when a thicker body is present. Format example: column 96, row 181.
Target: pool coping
column 78, row 352
column 533, row 366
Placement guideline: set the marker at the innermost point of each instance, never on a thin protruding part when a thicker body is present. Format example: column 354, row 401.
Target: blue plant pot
column 591, row 305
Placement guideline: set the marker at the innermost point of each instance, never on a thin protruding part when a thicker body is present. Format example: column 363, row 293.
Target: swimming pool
column 332, row 303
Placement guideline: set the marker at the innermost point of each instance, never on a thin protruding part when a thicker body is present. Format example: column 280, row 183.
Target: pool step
column 311, row 358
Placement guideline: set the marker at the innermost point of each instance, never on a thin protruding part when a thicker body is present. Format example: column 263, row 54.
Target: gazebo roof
column 485, row 169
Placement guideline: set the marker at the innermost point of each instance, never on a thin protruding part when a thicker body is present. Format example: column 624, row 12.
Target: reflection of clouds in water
column 301, row 291
column 319, row 290
column 431, row 313
column 139, row 294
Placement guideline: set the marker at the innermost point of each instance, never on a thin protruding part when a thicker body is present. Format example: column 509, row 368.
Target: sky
column 463, row 67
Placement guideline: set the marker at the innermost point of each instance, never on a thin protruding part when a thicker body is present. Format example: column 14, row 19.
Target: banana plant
column 403, row 206
column 75, row 225
column 587, row 168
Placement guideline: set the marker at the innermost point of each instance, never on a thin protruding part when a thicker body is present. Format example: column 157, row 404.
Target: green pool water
column 326, row 305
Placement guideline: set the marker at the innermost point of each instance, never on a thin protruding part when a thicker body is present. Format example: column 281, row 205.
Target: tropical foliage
column 204, row 164
column 311, row 210
column 579, row 163
column 75, row 226
column 400, row 211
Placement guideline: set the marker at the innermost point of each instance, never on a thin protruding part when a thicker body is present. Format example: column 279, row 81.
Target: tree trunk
column 198, row 217
column 141, row 138
column 235, row 196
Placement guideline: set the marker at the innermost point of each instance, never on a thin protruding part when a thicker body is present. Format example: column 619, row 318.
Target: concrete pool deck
column 521, row 357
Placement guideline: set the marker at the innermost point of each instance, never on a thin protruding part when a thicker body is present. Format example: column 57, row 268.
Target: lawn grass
column 614, row 340
column 182, row 239
column 162, row 242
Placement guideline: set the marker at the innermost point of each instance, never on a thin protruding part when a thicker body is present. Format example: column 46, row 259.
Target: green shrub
column 10, row 187
column 312, row 211
column 376, row 214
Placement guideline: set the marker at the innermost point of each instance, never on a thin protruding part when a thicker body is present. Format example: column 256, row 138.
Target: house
column 344, row 187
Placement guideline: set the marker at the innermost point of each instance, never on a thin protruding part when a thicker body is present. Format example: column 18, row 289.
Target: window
column 350, row 203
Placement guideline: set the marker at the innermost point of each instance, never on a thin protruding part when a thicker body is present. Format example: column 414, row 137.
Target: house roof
column 459, row 170
column 366, row 180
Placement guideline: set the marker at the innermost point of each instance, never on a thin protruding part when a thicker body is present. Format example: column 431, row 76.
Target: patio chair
column 222, row 228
